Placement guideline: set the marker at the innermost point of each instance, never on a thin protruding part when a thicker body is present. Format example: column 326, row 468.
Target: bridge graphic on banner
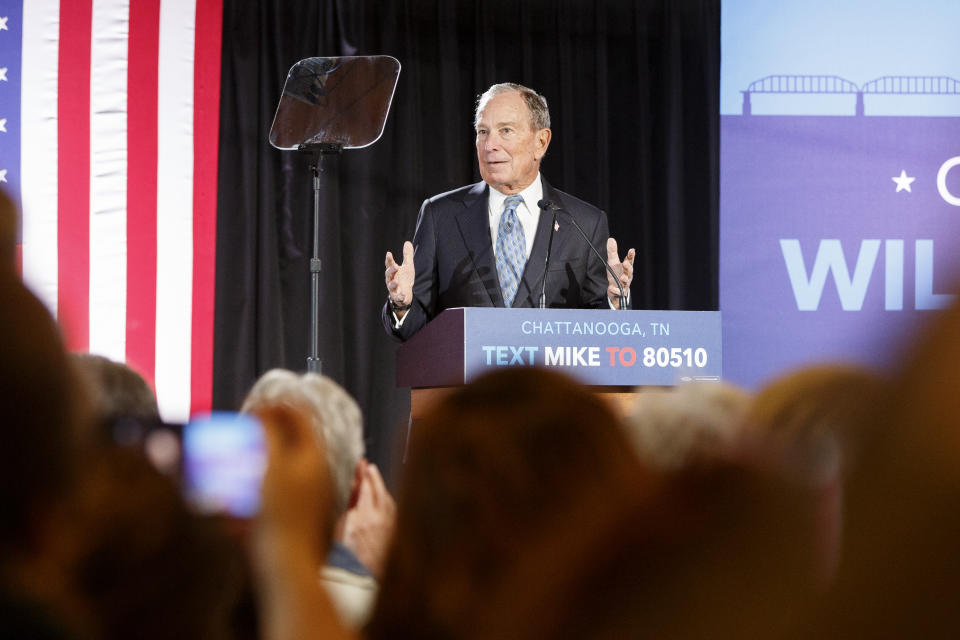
column 825, row 84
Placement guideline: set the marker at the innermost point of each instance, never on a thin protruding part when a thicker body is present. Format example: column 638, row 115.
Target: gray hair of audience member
column 335, row 416
column 536, row 103
column 9, row 223
column 673, row 428
column 116, row 389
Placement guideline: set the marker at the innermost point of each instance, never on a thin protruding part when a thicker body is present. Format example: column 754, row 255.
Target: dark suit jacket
column 455, row 264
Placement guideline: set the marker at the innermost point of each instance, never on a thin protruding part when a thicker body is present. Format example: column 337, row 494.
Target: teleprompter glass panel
column 335, row 101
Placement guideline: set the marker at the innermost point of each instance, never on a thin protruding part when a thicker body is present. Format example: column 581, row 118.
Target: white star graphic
column 3, row 74
column 903, row 182
column 3, row 125
column 3, row 23
column 3, row 175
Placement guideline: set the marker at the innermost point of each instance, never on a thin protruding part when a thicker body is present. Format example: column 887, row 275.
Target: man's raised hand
column 399, row 278
column 624, row 271
column 368, row 525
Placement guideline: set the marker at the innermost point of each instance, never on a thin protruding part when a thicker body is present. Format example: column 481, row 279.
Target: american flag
column 110, row 112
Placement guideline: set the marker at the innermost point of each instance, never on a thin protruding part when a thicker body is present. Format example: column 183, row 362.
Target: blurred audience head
column 720, row 550
column 820, row 409
column 812, row 418
column 496, row 469
column 44, row 421
column 116, row 390
column 147, row 566
column 677, row 427
column 900, row 563
column 724, row 547
column 336, row 419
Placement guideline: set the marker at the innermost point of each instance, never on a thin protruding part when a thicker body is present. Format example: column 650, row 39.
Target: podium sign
column 598, row 347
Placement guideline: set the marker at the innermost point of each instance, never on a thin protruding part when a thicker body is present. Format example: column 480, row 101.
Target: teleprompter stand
column 328, row 105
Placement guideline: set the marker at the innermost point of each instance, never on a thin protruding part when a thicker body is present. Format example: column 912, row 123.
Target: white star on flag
column 556, row 226
column 3, row 125
column 903, row 182
column 3, row 175
column 3, row 23
column 3, row 74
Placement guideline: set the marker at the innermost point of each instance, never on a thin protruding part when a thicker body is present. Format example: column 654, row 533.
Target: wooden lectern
column 614, row 352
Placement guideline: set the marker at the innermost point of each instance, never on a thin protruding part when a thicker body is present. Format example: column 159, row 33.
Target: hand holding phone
column 298, row 488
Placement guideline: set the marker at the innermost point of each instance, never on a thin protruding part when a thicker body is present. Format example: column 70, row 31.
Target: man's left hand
column 624, row 271
column 368, row 526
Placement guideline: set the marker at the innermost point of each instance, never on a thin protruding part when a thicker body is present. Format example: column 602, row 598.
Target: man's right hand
column 399, row 278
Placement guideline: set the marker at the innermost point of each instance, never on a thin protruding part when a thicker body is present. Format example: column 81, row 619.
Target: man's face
column 508, row 149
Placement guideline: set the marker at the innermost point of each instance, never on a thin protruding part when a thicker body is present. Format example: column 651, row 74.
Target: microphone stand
column 546, row 262
column 552, row 206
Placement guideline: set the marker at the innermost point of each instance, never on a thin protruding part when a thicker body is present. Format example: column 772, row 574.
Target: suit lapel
column 474, row 224
column 533, row 272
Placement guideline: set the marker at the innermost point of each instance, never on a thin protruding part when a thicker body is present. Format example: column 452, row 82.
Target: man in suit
column 485, row 245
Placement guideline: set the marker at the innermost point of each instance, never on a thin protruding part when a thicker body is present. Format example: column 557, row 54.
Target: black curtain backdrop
column 633, row 90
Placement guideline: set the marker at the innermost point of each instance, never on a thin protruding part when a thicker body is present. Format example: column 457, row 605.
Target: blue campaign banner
column 598, row 347
column 840, row 180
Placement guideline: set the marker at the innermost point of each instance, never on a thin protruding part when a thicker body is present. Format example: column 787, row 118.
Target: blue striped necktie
column 511, row 250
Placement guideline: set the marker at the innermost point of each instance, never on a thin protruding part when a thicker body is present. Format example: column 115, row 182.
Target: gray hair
column 536, row 103
column 336, row 419
column 673, row 428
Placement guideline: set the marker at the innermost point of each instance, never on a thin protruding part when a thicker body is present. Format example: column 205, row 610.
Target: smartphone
column 223, row 462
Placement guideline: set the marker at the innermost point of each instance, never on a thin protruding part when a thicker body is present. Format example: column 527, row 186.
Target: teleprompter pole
column 324, row 169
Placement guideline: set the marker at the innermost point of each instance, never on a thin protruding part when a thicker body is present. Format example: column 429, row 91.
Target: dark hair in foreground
column 41, row 414
column 148, row 567
column 498, row 467
column 116, row 390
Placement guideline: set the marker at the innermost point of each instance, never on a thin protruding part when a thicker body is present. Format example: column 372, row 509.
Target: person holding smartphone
column 362, row 513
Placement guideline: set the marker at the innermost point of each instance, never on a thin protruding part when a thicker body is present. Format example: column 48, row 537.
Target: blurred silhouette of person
column 292, row 534
column 721, row 548
column 363, row 509
column 118, row 393
column 148, row 567
column 45, row 429
column 899, row 568
column 814, row 416
column 496, row 469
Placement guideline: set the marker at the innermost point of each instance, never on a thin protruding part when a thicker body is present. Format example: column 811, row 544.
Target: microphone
column 552, row 206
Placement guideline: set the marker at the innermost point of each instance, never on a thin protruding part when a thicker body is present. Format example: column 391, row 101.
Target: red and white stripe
column 120, row 104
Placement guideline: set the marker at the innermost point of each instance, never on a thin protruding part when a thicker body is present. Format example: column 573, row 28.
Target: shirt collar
column 531, row 196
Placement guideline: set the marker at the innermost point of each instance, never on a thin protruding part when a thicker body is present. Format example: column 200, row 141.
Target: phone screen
column 224, row 458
